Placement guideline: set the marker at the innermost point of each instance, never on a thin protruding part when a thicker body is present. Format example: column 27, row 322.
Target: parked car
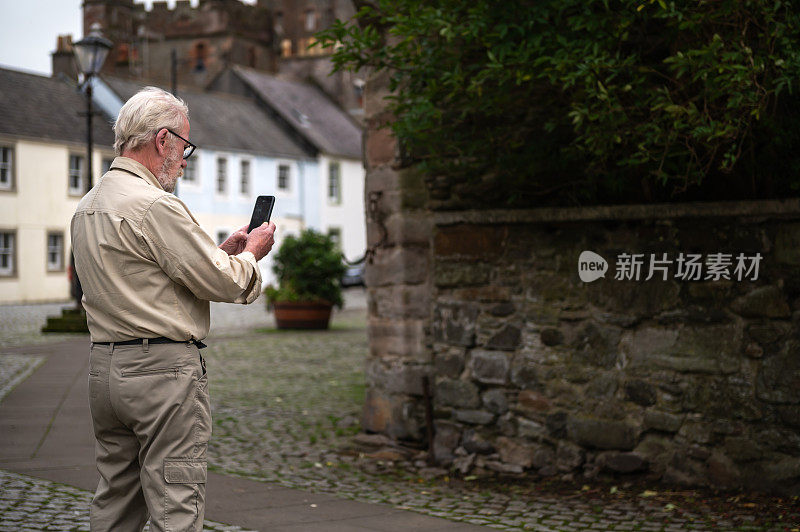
column 353, row 275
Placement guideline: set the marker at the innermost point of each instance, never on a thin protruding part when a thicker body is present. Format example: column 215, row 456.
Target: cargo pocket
column 202, row 413
column 184, row 496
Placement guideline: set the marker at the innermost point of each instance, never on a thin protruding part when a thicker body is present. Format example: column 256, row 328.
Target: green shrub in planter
column 309, row 268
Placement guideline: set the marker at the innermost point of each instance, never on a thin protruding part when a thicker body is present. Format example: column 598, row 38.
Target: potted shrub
column 309, row 269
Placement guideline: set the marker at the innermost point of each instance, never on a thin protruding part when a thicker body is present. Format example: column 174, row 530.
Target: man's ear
column 161, row 142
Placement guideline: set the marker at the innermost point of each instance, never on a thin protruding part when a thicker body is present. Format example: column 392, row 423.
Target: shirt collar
column 137, row 168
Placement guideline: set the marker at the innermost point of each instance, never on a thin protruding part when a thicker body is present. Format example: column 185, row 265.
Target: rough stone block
column 601, row 434
column 503, row 309
column 495, row 401
column 404, row 338
column 722, row 472
column 404, row 228
column 662, row 421
column 768, row 332
column 448, row 437
column 515, row 452
column 454, row 274
column 714, row 349
column 489, row 367
column 483, row 294
column 389, row 415
column 470, row 241
column 524, row 373
column 742, row 449
column 762, row 302
column 597, row 345
column 644, row 298
column 449, row 364
column 557, row 424
column 544, row 457
column 640, row 392
column 397, row 265
column 552, row 336
column 377, row 414
column 380, row 146
column 778, row 380
column 458, row 394
column 696, row 430
column 396, row 377
column 602, row 386
column 506, row 339
column 401, row 301
column 384, row 179
column 569, row 456
column 533, row 402
column 474, row 417
column 527, row 428
column 617, row 462
column 475, row 443
column 455, row 324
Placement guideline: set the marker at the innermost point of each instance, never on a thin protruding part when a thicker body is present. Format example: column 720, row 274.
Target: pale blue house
column 242, row 153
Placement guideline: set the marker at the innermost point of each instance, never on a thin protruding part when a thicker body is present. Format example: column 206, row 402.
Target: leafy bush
column 308, row 268
column 589, row 100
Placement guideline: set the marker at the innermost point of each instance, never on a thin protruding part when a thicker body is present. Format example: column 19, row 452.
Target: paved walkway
column 46, row 434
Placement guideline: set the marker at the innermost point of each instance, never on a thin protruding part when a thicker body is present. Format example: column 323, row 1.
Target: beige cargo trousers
column 152, row 422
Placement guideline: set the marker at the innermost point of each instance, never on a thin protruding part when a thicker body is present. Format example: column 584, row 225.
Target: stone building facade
column 536, row 372
column 271, row 36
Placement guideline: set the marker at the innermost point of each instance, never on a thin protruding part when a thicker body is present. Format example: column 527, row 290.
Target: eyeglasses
column 188, row 150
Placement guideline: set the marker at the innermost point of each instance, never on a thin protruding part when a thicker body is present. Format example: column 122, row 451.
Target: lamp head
column 91, row 51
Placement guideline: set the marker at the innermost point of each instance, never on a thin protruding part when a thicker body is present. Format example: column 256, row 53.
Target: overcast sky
column 29, row 29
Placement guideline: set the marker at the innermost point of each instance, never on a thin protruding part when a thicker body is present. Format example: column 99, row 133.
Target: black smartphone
column 262, row 211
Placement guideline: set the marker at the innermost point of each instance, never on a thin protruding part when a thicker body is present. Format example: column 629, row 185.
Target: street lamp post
column 90, row 54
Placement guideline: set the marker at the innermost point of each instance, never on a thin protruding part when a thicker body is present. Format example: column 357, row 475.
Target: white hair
column 148, row 111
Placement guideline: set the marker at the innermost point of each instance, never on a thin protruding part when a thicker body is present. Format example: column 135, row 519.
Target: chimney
column 63, row 59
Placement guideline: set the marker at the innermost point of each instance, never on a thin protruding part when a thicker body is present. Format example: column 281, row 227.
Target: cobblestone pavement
column 28, row 503
column 22, row 324
column 286, row 408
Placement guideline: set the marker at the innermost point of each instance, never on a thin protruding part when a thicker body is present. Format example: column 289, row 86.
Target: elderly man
column 148, row 272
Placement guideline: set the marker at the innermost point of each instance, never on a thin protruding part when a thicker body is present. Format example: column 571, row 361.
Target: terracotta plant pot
column 302, row 315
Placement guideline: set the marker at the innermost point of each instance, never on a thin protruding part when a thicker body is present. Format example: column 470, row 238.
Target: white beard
column 168, row 181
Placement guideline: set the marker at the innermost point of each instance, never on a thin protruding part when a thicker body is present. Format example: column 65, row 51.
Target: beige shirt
column 146, row 267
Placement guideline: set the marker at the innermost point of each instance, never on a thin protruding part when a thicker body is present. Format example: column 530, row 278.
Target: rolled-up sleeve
column 191, row 258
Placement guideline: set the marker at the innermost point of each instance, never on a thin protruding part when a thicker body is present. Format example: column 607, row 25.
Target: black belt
column 158, row 340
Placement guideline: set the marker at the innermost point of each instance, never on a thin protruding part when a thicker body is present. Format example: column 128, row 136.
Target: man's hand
column 236, row 242
column 260, row 240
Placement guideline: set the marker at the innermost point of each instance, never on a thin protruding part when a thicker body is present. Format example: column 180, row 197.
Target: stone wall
column 688, row 381
column 535, row 372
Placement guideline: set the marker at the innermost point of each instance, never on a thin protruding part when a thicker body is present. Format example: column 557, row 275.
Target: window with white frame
column 6, row 168
column 190, row 172
column 7, row 253
column 284, row 179
column 55, row 251
column 222, row 175
column 244, row 178
column 76, row 165
column 334, row 182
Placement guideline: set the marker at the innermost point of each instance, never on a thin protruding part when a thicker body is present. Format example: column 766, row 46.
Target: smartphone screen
column 262, row 211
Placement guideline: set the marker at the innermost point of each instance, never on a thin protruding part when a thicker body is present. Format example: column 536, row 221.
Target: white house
column 241, row 154
column 329, row 133
column 42, row 178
